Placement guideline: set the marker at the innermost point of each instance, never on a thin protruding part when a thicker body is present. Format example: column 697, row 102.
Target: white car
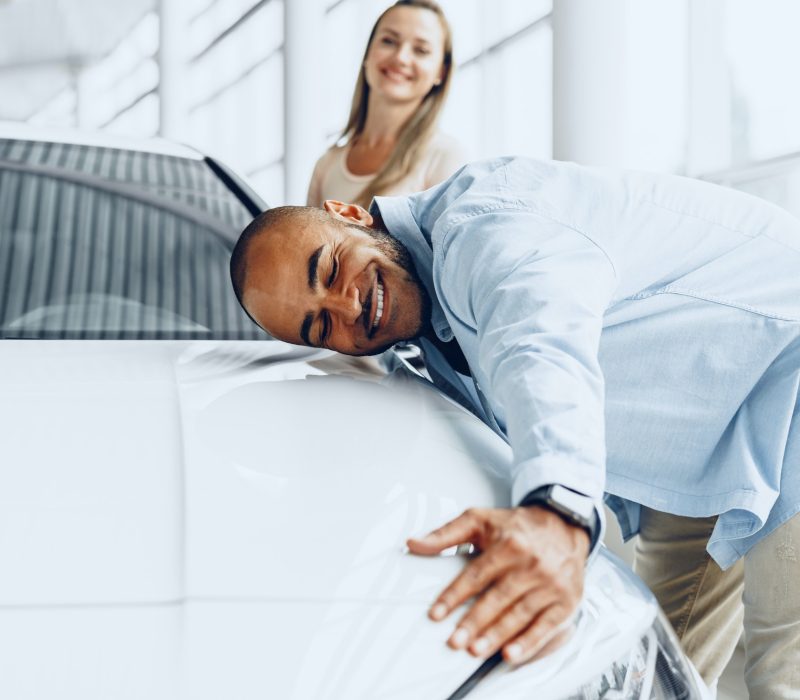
column 191, row 510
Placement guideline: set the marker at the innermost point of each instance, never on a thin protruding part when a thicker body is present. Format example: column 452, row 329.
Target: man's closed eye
column 325, row 328
column 334, row 272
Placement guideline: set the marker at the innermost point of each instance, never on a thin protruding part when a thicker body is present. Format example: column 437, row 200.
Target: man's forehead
column 276, row 284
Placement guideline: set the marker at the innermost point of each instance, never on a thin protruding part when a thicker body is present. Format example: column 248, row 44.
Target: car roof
column 30, row 132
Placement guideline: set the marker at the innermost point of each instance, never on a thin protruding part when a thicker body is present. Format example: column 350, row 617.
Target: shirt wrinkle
column 605, row 371
column 674, row 289
column 457, row 220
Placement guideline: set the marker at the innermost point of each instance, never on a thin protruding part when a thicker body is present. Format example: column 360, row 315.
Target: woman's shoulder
column 446, row 154
column 442, row 142
column 331, row 156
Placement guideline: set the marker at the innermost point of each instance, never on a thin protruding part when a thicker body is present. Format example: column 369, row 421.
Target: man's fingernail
column 513, row 651
column 459, row 638
column 438, row 611
column 481, row 646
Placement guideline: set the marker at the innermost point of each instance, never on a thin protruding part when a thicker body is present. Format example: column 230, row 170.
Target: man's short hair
column 271, row 219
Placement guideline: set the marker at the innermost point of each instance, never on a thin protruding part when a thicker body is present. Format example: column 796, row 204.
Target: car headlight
column 654, row 668
column 622, row 648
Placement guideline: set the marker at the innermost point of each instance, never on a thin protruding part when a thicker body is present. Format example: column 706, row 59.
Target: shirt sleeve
column 534, row 292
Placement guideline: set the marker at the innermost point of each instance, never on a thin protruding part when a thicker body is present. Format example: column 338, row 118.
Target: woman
column 391, row 144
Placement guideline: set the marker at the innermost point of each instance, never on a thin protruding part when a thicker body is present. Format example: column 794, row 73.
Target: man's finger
column 498, row 603
column 463, row 529
column 474, row 578
column 551, row 623
column 510, row 623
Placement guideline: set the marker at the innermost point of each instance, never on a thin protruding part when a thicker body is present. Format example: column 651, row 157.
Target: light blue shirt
column 631, row 333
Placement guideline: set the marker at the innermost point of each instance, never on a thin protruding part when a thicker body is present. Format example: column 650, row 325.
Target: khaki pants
column 707, row 606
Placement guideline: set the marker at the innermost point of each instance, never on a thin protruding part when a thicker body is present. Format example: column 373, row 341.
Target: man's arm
column 534, row 292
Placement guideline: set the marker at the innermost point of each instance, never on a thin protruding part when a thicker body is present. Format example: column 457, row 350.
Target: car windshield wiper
column 477, row 676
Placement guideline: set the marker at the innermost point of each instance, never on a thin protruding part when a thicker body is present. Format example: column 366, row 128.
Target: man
column 632, row 333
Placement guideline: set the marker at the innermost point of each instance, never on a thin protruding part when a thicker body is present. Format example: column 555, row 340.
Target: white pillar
column 621, row 83
column 172, row 69
column 589, row 93
column 709, row 146
column 303, row 86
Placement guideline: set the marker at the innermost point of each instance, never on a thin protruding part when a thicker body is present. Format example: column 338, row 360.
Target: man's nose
column 346, row 304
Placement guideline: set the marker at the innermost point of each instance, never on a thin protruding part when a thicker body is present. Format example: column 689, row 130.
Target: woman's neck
column 384, row 121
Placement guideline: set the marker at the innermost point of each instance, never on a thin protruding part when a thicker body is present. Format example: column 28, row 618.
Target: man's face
column 335, row 284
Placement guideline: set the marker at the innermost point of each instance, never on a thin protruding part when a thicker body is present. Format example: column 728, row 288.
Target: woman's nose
column 404, row 53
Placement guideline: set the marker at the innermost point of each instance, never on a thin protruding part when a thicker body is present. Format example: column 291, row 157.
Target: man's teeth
column 379, row 311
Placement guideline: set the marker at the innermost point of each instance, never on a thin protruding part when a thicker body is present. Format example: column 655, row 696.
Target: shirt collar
column 399, row 220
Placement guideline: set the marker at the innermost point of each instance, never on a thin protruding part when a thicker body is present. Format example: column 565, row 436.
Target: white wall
column 673, row 85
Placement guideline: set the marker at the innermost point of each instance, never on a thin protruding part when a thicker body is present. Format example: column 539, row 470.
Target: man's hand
column 529, row 578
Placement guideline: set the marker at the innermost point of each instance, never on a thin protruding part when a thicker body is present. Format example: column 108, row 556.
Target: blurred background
column 700, row 87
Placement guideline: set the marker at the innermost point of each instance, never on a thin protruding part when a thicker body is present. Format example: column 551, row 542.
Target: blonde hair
column 418, row 130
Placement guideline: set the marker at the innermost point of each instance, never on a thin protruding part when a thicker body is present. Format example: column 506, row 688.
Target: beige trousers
column 707, row 606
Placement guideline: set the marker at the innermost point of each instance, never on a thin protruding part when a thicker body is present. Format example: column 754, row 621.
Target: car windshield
column 103, row 243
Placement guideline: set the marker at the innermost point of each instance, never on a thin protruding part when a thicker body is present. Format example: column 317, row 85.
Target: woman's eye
column 422, row 52
column 387, row 41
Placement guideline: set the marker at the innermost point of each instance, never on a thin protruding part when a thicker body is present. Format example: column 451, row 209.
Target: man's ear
column 348, row 212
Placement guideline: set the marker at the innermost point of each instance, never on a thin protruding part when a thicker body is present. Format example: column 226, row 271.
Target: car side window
column 87, row 256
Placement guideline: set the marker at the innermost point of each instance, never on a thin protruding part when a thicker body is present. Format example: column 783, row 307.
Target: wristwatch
column 573, row 507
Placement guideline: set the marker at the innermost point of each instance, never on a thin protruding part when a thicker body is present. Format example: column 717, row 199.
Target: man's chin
column 376, row 351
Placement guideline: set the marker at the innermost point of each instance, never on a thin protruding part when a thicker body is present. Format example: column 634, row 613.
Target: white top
column 332, row 180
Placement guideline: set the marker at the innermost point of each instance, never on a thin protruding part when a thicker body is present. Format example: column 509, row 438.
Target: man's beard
column 399, row 255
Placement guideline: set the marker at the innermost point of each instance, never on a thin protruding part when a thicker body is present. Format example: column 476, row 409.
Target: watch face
column 581, row 506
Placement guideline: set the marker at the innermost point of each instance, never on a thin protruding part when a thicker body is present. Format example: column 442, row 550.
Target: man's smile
column 373, row 312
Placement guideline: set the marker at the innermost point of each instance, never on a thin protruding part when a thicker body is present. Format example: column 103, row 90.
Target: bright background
column 699, row 87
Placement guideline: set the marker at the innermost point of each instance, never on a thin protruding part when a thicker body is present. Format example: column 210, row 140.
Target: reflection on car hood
column 188, row 505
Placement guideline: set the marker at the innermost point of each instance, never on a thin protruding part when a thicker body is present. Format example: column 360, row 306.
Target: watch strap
column 543, row 497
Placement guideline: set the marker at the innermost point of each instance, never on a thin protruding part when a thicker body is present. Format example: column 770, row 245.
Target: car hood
column 145, row 472
column 213, row 520
column 183, row 516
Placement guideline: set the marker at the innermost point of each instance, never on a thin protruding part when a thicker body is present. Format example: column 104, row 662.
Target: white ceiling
column 41, row 41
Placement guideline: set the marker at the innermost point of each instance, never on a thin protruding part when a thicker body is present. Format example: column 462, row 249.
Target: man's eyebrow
column 305, row 329
column 313, row 261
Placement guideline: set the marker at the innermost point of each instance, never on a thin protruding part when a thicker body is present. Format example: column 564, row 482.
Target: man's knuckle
column 516, row 542
column 528, row 607
column 472, row 515
column 506, row 588
column 474, row 576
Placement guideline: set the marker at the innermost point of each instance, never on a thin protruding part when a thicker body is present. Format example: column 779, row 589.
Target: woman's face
column 405, row 57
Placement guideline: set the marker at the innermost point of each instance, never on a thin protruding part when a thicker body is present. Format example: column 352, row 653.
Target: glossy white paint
column 309, row 488
column 208, row 520
column 167, row 506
